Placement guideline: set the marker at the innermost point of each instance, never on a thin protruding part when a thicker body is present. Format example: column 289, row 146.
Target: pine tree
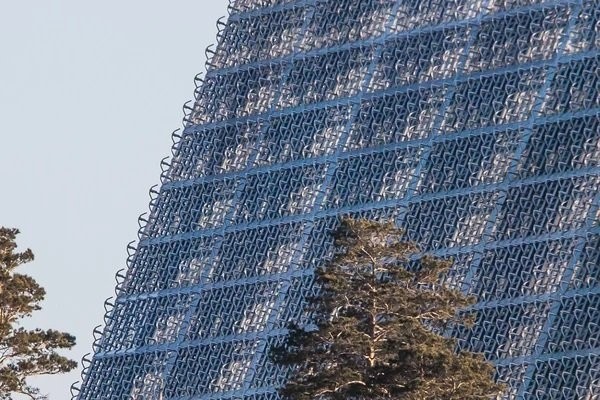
column 377, row 325
column 24, row 353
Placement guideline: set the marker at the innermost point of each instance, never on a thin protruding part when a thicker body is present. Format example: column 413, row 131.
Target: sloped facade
column 473, row 123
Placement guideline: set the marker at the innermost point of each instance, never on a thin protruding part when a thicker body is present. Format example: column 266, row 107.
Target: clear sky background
column 89, row 94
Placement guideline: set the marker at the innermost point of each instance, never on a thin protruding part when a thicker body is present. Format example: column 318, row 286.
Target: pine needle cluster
column 377, row 327
column 23, row 352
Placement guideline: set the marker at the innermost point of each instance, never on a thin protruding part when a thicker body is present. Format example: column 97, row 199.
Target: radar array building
column 474, row 124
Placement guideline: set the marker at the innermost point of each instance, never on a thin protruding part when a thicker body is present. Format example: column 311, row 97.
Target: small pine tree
column 23, row 352
column 376, row 327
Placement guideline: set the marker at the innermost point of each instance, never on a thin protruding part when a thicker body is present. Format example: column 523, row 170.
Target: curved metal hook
column 74, row 390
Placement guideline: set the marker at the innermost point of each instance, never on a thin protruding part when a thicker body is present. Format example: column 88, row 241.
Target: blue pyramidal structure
column 474, row 124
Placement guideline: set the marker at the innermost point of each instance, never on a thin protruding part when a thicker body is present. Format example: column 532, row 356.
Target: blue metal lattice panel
column 473, row 123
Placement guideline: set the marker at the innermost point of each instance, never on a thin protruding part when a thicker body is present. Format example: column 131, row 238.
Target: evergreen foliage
column 24, row 353
column 376, row 327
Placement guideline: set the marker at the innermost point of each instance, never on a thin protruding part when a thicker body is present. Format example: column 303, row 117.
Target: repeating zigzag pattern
column 473, row 123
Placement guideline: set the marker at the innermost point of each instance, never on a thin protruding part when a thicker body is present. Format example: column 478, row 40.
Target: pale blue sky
column 89, row 94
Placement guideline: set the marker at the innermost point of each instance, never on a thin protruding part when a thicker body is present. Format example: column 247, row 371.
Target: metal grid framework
column 473, row 123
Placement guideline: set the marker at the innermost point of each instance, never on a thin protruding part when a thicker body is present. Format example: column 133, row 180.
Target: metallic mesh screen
column 473, row 123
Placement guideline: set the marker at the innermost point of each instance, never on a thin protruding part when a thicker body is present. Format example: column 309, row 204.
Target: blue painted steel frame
column 176, row 332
